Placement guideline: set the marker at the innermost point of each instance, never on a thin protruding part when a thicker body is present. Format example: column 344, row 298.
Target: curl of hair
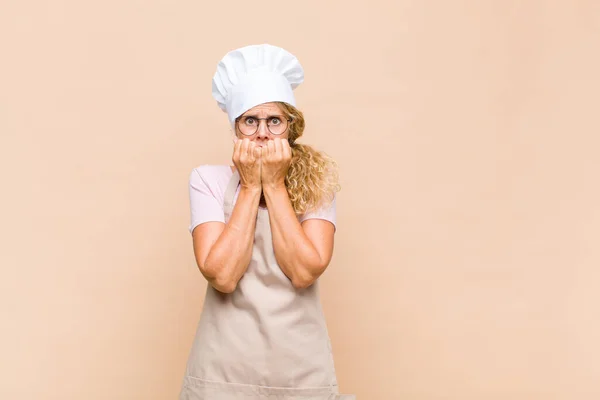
column 312, row 179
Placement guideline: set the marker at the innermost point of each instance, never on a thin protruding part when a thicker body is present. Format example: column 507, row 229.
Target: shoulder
column 210, row 173
column 326, row 210
column 327, row 203
column 210, row 179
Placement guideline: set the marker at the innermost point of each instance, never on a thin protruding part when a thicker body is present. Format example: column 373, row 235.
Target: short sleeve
column 326, row 212
column 204, row 206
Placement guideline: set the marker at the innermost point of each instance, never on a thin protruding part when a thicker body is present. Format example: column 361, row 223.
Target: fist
column 276, row 159
column 247, row 159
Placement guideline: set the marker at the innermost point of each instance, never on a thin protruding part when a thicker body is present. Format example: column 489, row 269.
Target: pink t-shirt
column 207, row 192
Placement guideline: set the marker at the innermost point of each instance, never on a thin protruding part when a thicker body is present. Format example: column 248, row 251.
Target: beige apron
column 266, row 339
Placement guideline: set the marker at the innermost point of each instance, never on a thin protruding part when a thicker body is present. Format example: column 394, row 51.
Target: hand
column 247, row 159
column 276, row 160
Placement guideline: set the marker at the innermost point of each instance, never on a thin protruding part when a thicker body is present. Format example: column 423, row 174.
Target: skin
column 223, row 251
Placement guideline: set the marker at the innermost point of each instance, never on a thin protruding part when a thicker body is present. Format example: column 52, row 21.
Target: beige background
column 467, row 263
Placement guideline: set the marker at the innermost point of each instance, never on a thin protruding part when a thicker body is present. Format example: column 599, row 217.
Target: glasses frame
column 281, row 117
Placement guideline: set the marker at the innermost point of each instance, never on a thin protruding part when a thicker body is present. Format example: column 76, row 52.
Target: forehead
column 264, row 109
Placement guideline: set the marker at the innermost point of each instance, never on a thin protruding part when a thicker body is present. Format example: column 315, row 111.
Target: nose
column 263, row 130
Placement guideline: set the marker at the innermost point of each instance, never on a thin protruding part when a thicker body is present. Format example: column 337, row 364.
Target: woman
column 263, row 234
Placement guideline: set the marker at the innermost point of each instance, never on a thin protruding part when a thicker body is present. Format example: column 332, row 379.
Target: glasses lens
column 248, row 125
column 277, row 125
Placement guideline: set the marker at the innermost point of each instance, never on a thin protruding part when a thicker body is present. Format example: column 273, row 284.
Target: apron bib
column 266, row 339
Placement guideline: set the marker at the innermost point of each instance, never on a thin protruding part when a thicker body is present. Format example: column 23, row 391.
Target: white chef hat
column 256, row 74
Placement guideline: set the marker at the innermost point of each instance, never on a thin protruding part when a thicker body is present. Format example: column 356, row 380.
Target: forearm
column 294, row 252
column 230, row 256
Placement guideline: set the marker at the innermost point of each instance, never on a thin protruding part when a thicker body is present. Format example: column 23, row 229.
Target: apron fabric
column 266, row 340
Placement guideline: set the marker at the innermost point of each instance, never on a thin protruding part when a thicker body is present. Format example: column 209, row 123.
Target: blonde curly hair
column 312, row 179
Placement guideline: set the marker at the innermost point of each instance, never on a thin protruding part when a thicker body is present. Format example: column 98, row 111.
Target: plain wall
column 466, row 261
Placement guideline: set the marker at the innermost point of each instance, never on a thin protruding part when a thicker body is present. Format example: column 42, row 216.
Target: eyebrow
column 256, row 115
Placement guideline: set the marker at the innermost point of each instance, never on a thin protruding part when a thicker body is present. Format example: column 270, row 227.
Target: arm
column 223, row 251
column 303, row 251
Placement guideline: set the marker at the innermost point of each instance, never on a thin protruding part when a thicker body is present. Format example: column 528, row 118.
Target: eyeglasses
column 276, row 124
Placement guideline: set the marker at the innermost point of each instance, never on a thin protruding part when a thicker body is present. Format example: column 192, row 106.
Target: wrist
column 252, row 190
column 274, row 187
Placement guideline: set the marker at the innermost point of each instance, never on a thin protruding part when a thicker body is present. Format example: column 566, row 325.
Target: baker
column 263, row 232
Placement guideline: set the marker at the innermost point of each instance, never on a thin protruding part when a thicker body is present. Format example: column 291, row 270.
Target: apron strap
column 230, row 193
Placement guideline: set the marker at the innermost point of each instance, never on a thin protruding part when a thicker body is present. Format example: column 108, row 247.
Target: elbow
column 305, row 278
column 301, row 283
column 224, row 286
column 218, row 280
column 306, row 275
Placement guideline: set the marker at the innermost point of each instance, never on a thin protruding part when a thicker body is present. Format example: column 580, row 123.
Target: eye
column 274, row 121
column 249, row 121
